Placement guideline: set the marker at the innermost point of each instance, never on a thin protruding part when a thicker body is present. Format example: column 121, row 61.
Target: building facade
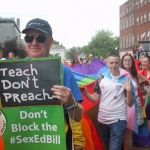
column 9, row 29
column 58, row 50
column 134, row 24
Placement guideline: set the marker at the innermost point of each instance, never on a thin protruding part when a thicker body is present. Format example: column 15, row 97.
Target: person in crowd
column 74, row 62
column 85, row 61
column 112, row 106
column 138, row 62
column 1, row 55
column 11, row 55
column 102, row 58
column 90, row 58
column 65, row 62
column 141, row 57
column 145, row 73
column 80, row 60
column 38, row 40
column 127, row 63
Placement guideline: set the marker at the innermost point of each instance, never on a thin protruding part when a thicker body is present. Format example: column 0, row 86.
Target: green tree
column 13, row 46
column 103, row 43
column 74, row 50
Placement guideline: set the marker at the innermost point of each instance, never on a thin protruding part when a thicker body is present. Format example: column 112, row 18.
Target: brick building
column 9, row 29
column 134, row 24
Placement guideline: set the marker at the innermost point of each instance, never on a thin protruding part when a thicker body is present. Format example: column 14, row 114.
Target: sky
column 74, row 22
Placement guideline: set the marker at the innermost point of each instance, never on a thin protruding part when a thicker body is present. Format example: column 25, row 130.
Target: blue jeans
column 112, row 134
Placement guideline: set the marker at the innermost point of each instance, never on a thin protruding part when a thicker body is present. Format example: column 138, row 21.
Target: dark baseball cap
column 40, row 25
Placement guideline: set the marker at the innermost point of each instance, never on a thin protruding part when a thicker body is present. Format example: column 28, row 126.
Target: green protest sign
column 31, row 117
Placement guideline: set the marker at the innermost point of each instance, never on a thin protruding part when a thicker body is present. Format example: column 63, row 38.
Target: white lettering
column 4, row 70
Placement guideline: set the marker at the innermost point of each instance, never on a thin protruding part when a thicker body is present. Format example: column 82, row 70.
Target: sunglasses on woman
column 39, row 38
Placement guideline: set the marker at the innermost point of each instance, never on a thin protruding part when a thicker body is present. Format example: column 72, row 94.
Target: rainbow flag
column 140, row 48
column 86, row 75
column 142, row 138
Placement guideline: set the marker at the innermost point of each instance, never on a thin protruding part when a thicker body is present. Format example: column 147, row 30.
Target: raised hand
column 127, row 85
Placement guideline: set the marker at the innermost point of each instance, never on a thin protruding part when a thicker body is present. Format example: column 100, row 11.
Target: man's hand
column 64, row 94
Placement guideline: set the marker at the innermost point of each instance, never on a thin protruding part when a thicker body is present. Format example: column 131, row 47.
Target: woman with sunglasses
column 134, row 114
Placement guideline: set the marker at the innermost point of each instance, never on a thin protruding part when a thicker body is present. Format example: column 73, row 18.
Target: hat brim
column 25, row 30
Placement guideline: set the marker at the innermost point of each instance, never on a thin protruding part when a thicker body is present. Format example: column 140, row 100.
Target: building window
column 148, row 35
column 143, row 36
column 141, row 3
column 137, row 21
column 123, row 24
column 120, row 25
column 145, row 2
column 126, row 42
column 137, row 38
column 127, row 11
column 132, row 40
column 132, row 20
column 132, row 6
column 141, row 19
column 137, row 5
column 126, row 23
column 123, row 14
column 144, row 18
column 149, row 16
column 120, row 14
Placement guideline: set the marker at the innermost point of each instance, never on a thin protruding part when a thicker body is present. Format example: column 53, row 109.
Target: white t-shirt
column 3, row 58
column 112, row 106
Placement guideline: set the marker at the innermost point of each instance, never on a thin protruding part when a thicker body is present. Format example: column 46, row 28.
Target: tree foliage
column 102, row 43
column 13, row 46
column 74, row 50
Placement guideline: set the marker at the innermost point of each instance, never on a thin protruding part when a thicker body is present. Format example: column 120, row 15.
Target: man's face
column 113, row 63
column 36, row 49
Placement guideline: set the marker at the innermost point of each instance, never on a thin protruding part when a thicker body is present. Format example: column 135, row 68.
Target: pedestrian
column 134, row 112
column 38, row 40
column 113, row 102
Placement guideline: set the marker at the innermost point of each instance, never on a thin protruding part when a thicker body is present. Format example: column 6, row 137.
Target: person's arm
column 128, row 87
column 92, row 97
column 76, row 113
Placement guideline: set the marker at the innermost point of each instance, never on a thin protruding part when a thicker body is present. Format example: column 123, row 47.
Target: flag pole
column 143, row 49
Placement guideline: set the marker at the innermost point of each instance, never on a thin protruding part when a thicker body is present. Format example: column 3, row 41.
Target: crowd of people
column 121, row 91
column 124, row 100
column 10, row 55
column 80, row 60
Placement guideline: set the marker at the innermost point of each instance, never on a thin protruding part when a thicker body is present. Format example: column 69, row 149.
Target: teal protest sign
column 30, row 115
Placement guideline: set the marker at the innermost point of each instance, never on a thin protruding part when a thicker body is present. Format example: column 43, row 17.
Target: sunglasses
column 39, row 38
